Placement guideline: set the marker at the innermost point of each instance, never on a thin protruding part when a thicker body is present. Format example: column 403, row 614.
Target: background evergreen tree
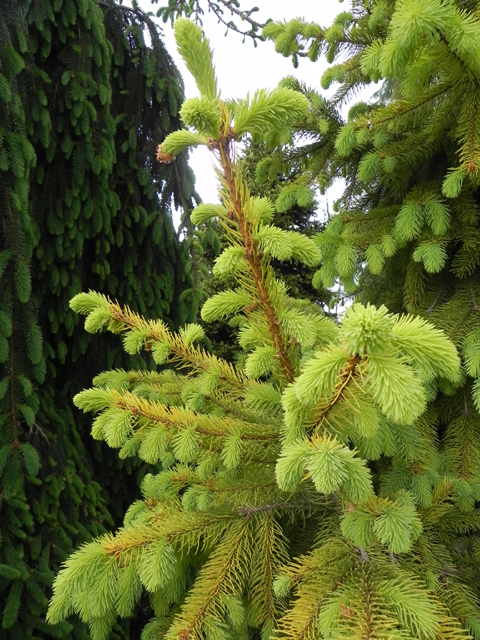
column 327, row 488
column 83, row 100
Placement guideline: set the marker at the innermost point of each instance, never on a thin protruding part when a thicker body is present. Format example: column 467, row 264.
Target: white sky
column 242, row 68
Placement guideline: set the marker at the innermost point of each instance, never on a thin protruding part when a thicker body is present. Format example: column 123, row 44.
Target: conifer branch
column 287, row 505
column 234, row 410
column 187, row 223
column 460, row 323
column 475, row 305
column 431, row 308
column 127, row 10
column 126, row 541
column 346, row 377
column 399, row 108
column 184, row 355
column 268, row 571
column 244, row 15
column 211, row 581
column 235, row 488
column 309, row 623
column 172, row 417
column 254, row 260
column 200, row 524
column 185, row 531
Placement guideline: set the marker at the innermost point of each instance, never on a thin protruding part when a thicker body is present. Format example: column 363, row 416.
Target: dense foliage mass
column 328, row 488
column 83, row 204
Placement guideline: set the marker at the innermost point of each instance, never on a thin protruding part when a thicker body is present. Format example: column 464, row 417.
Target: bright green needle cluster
column 276, row 110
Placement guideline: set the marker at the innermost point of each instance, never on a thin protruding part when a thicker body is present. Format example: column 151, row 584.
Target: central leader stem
column 254, row 261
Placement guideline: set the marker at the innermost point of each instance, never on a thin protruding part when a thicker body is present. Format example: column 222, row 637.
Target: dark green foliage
column 83, row 101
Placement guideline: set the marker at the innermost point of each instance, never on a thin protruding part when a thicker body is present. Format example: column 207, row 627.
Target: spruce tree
column 83, row 203
column 326, row 489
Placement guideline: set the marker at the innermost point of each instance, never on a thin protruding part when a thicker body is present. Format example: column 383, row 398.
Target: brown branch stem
column 186, row 358
column 254, row 260
column 346, row 378
column 122, row 403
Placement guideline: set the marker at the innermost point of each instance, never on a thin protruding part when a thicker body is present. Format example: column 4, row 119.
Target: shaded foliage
column 83, row 100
